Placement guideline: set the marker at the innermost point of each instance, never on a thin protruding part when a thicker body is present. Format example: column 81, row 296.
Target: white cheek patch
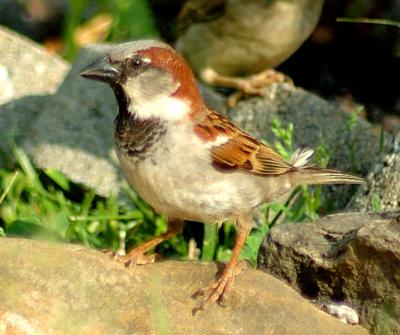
column 166, row 108
column 133, row 87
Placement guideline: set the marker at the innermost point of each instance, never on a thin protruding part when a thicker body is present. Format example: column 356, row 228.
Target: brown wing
column 242, row 151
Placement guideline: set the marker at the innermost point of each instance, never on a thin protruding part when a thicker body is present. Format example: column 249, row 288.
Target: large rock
column 350, row 258
column 28, row 74
column 382, row 191
column 67, row 289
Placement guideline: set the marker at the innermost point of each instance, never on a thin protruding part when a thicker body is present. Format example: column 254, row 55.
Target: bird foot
column 216, row 292
column 134, row 257
column 256, row 85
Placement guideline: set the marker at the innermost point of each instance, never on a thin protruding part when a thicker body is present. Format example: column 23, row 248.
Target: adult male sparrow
column 184, row 159
column 226, row 39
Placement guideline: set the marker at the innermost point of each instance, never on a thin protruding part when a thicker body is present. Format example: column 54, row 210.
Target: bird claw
column 256, row 85
column 134, row 257
column 138, row 258
column 215, row 292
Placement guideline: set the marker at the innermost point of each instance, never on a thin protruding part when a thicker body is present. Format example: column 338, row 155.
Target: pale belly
column 191, row 189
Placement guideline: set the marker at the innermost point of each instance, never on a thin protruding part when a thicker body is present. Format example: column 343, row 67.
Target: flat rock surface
column 67, row 289
column 352, row 258
column 28, row 75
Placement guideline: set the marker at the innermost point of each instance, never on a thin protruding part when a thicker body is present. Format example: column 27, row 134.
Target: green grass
column 45, row 204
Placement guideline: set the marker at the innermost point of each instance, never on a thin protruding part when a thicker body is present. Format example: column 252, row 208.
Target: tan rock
column 67, row 289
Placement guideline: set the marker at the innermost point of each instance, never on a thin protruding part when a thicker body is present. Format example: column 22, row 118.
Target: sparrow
column 224, row 40
column 186, row 160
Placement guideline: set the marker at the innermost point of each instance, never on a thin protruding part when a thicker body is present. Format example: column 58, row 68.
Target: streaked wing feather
column 242, row 151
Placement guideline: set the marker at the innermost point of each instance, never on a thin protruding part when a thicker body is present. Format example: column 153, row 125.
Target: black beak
column 101, row 70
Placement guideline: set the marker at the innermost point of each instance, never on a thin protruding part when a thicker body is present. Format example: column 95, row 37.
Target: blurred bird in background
column 237, row 43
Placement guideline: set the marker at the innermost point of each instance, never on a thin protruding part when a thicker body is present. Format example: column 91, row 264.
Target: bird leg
column 221, row 287
column 252, row 85
column 137, row 255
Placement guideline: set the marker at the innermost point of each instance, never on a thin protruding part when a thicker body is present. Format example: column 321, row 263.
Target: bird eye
column 137, row 62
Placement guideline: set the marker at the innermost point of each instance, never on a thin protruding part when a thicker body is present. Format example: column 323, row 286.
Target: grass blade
column 8, row 188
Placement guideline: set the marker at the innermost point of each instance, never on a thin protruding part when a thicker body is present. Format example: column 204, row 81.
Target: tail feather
column 307, row 174
column 311, row 175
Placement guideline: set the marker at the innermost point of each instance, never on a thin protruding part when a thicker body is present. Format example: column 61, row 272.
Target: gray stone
column 67, row 289
column 73, row 134
column 352, row 147
column 28, row 74
column 351, row 258
column 382, row 191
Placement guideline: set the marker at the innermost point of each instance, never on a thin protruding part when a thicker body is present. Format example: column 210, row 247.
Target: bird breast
column 178, row 180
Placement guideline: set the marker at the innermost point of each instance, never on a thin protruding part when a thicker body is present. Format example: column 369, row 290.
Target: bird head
column 150, row 80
